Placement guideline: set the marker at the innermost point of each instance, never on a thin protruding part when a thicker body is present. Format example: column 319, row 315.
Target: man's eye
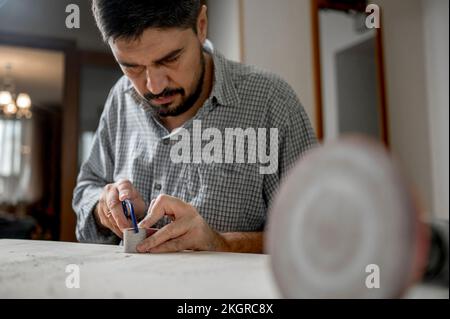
column 173, row 59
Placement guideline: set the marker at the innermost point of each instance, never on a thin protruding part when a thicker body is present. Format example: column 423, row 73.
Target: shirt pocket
column 229, row 196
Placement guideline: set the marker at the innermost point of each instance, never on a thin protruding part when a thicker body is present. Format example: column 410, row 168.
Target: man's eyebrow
column 127, row 64
column 169, row 55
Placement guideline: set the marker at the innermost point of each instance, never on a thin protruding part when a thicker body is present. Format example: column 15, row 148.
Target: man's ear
column 202, row 24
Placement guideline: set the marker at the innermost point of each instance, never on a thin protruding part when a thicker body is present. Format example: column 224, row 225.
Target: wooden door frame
column 316, row 5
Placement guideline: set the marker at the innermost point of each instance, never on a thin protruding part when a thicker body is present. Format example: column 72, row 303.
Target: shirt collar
column 223, row 89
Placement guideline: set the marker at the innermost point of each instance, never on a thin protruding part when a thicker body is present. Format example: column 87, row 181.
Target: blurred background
column 390, row 83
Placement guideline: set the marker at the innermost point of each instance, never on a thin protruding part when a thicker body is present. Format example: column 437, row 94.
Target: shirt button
column 158, row 186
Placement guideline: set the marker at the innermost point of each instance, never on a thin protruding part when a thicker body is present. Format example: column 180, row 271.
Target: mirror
column 350, row 94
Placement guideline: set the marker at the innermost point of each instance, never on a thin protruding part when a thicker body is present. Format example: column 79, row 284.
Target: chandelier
column 11, row 104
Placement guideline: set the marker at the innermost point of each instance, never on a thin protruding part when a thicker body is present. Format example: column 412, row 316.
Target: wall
column 47, row 18
column 437, row 55
column 277, row 37
column 404, row 49
column 224, row 27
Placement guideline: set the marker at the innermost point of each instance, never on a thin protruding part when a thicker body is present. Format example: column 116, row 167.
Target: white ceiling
column 40, row 73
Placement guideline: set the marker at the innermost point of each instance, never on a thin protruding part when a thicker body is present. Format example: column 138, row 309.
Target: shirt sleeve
column 95, row 173
column 296, row 135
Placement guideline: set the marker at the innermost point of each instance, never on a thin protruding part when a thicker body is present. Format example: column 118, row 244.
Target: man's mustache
column 167, row 92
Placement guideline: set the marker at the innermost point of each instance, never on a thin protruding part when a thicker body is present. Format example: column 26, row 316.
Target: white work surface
column 37, row 269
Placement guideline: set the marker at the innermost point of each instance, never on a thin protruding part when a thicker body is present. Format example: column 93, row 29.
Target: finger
column 115, row 230
column 152, row 203
column 128, row 191
column 113, row 226
column 125, row 189
column 98, row 213
column 149, row 209
column 146, row 213
column 105, row 220
column 102, row 215
column 115, row 207
column 153, row 215
column 173, row 245
column 106, row 217
column 168, row 232
column 163, row 205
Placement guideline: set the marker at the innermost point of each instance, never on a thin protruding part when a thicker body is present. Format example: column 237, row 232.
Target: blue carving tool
column 128, row 211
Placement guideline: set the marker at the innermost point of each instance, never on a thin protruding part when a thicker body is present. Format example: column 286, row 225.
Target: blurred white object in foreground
column 346, row 225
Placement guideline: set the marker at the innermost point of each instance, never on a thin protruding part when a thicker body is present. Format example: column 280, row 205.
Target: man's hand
column 108, row 211
column 188, row 229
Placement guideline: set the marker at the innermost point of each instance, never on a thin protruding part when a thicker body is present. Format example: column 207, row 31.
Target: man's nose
column 157, row 81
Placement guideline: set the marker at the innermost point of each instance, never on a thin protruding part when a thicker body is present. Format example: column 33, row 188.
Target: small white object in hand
column 132, row 239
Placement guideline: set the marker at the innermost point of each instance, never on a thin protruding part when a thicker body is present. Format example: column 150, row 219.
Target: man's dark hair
column 128, row 19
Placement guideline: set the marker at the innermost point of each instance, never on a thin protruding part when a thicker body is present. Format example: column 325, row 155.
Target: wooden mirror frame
column 316, row 6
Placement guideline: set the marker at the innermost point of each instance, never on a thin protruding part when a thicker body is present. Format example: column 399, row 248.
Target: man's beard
column 186, row 104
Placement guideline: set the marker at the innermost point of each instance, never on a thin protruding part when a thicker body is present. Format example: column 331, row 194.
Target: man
column 171, row 84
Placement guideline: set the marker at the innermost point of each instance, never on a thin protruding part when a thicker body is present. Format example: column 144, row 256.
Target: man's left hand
column 188, row 229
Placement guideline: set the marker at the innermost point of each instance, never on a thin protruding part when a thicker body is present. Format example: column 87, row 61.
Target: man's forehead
column 152, row 44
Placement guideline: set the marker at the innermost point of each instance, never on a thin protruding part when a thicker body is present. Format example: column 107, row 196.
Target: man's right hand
column 108, row 211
